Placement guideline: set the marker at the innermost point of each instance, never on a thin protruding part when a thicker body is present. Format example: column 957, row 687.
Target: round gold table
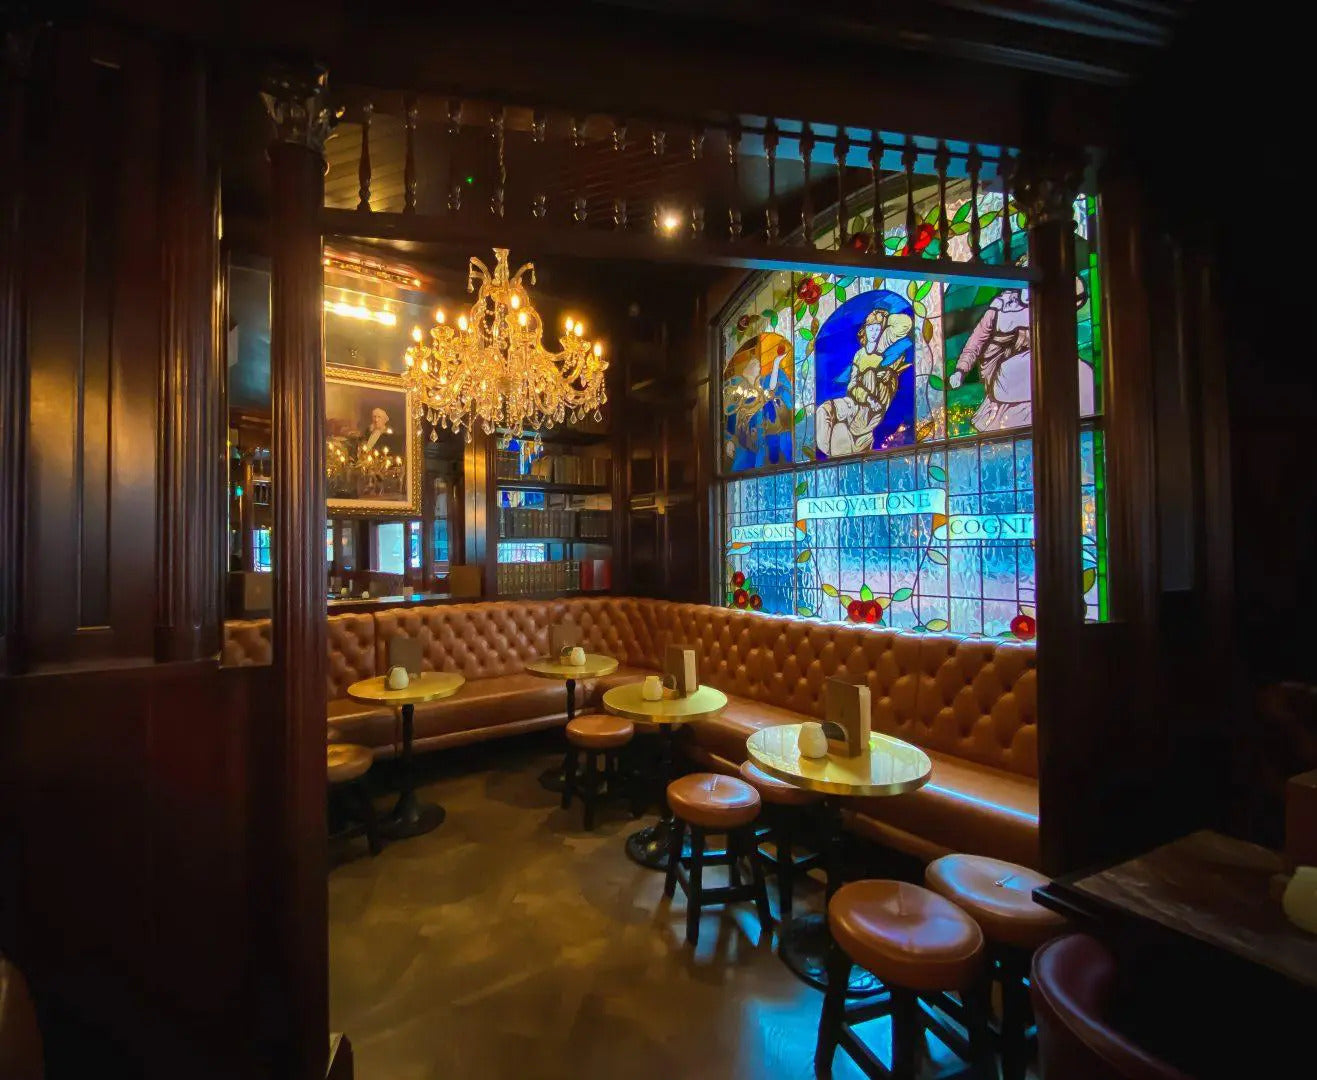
column 889, row 767
column 410, row 817
column 649, row 846
column 596, row 666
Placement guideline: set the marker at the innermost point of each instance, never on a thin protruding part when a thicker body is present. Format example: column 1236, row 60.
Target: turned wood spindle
column 497, row 124
column 1006, row 167
column 409, row 164
column 974, row 163
column 807, row 205
column 580, row 203
column 454, row 134
column 734, row 160
column 908, row 159
column 770, row 152
column 538, row 127
column 941, row 160
column 877, row 243
column 840, row 149
column 363, row 165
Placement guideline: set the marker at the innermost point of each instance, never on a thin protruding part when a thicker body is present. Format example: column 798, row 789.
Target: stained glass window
column 886, row 427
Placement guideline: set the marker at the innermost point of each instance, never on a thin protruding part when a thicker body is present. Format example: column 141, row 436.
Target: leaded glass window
column 876, row 442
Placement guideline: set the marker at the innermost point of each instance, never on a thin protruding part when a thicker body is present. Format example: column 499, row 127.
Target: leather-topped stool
column 999, row 897
column 783, row 807
column 704, row 803
column 346, row 764
column 920, row 945
column 595, row 735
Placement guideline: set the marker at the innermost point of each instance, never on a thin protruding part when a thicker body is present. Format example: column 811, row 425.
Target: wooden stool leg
column 760, row 885
column 978, row 1011
column 695, row 892
column 368, row 818
column 1014, row 1020
column 786, row 867
column 834, row 1010
column 590, row 788
column 906, row 1032
column 734, row 854
column 675, row 836
column 569, row 776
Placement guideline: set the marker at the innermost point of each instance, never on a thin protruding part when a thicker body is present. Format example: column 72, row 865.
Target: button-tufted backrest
column 969, row 697
column 351, row 652
column 246, row 643
column 482, row 641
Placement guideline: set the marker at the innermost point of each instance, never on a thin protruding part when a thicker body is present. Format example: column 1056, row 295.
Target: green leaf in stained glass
column 799, row 309
column 963, row 213
column 767, row 313
column 804, row 556
column 845, row 282
column 902, row 594
column 772, row 320
column 936, row 472
column 893, row 243
column 800, row 416
column 935, row 381
column 937, row 556
column 933, row 215
column 814, row 308
column 987, row 219
column 840, row 293
column 829, row 590
column 912, row 289
column 920, row 310
column 1090, row 577
column 960, row 228
column 801, row 488
column 923, row 290
column 866, row 593
column 805, row 332
column 807, row 612
column 937, row 625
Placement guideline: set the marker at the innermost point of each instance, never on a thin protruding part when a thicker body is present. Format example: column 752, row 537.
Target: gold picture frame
column 373, row 455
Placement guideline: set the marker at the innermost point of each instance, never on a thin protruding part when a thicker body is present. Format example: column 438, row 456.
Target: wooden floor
column 510, row 944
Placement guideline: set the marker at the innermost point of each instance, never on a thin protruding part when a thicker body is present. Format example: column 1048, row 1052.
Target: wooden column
column 16, row 61
column 1047, row 183
column 302, row 120
column 190, row 459
column 480, row 510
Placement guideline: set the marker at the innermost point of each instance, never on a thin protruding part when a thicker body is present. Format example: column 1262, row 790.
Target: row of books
column 546, row 578
column 519, row 522
column 555, row 468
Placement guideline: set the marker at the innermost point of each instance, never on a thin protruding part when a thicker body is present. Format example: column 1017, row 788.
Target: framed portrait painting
column 372, row 453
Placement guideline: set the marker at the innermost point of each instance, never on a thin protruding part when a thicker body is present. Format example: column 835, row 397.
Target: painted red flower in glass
column 808, row 291
column 923, row 237
column 740, row 598
column 1024, row 627
column 873, row 612
column 738, row 579
column 743, row 323
column 855, row 610
column 756, row 602
column 859, row 241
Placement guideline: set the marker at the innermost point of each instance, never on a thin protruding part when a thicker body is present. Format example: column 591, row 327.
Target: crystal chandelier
column 492, row 367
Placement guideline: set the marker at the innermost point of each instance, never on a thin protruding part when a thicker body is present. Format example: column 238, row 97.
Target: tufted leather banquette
column 969, row 703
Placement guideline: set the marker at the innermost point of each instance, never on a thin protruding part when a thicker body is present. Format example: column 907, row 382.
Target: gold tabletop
column 627, row 701
column 891, row 766
column 596, row 665
column 428, row 686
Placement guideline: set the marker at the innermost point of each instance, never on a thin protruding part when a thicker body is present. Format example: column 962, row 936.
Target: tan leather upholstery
column 906, row 935
column 773, row 790
column 713, row 801
column 970, row 703
column 347, row 762
column 599, row 731
column 20, row 1038
column 998, row 896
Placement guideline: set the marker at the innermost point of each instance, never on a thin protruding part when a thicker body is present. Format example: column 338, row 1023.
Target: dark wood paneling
column 190, row 454
column 126, row 866
column 93, row 339
column 298, row 636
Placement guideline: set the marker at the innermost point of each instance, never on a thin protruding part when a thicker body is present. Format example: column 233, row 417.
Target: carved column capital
column 1046, row 184
column 297, row 103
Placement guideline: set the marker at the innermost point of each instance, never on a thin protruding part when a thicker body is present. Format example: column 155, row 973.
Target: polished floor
column 510, row 944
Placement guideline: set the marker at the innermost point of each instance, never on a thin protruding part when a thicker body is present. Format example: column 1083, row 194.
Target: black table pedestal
column 552, row 779
column 410, row 816
column 649, row 846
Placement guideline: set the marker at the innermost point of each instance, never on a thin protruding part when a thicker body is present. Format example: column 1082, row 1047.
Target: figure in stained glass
column 865, row 403
column 758, row 384
column 991, row 379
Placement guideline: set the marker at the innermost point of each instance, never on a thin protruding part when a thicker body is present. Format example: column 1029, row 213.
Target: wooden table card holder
column 847, row 718
column 679, row 664
column 564, row 635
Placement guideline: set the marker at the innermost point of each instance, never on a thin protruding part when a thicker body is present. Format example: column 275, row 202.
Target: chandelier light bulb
column 439, row 316
column 598, row 350
column 416, row 334
column 515, row 302
column 671, row 221
column 580, row 329
column 521, row 317
column 568, row 324
column 461, row 322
